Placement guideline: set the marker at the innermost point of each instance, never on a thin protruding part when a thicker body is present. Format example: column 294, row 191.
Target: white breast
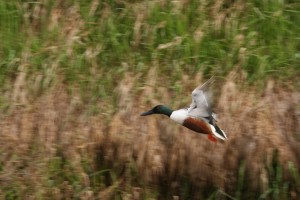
column 179, row 115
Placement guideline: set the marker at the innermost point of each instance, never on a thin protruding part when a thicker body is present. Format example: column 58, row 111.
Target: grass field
column 75, row 75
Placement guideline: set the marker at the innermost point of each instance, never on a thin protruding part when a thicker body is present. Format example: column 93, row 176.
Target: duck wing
column 200, row 106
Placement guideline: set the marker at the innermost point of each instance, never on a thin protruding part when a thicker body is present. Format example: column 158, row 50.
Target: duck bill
column 150, row 112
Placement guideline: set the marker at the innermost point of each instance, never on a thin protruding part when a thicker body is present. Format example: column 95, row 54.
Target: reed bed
column 54, row 150
column 75, row 76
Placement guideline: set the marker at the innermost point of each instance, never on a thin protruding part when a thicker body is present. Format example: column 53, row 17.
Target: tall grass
column 89, row 42
column 74, row 76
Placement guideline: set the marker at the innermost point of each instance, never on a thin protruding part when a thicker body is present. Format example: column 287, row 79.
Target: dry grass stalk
column 161, row 150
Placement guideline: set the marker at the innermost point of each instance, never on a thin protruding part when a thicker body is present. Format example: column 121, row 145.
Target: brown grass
column 54, row 127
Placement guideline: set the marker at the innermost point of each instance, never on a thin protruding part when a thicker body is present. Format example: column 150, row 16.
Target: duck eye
column 157, row 108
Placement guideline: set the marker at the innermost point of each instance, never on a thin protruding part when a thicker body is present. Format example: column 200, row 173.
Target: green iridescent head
column 159, row 109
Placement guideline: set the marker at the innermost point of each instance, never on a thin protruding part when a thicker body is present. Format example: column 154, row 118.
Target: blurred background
column 76, row 74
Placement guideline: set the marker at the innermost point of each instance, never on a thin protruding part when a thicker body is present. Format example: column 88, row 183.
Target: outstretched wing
column 201, row 97
column 201, row 108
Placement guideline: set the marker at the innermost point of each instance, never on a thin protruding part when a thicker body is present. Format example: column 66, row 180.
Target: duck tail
column 221, row 132
column 217, row 132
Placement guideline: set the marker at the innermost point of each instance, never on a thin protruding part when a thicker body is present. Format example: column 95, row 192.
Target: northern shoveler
column 197, row 117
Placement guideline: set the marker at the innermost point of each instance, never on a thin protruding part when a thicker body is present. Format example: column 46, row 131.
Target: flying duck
column 197, row 117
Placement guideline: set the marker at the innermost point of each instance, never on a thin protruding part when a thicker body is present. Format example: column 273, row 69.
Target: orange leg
column 212, row 138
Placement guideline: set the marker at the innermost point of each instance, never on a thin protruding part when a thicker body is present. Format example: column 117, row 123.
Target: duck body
column 197, row 117
column 195, row 124
column 199, row 125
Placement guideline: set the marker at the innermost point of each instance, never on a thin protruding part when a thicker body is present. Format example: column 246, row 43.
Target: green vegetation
column 88, row 47
column 91, row 44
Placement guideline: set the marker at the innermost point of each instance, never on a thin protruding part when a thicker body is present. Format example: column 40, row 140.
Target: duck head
column 159, row 109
